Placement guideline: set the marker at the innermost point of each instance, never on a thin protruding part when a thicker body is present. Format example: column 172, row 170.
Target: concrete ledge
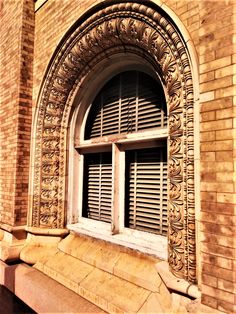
column 47, row 231
column 7, row 276
column 175, row 283
column 45, row 295
column 10, row 251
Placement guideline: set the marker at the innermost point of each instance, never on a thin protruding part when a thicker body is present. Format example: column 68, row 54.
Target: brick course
column 211, row 25
column 17, row 38
column 214, row 46
column 218, row 179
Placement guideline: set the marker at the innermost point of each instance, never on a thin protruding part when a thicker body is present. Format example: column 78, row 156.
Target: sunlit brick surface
column 25, row 55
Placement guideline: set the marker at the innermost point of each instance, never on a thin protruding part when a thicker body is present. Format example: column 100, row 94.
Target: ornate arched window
column 123, row 153
column 118, row 35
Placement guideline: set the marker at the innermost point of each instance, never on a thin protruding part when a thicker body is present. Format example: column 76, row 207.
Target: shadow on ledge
column 10, row 304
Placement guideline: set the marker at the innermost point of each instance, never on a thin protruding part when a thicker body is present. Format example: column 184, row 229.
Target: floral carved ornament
column 142, row 30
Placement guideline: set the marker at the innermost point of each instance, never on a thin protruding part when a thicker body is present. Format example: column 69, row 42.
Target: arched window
column 124, row 154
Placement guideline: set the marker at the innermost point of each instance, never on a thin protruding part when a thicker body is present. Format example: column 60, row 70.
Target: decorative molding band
column 145, row 31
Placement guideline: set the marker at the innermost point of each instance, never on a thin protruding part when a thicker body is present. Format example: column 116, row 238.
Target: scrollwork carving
column 117, row 28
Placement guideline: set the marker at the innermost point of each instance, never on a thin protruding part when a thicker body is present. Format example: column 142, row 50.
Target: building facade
column 117, row 125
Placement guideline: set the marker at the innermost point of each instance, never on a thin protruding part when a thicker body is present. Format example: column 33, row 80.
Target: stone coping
column 114, row 279
column 177, row 284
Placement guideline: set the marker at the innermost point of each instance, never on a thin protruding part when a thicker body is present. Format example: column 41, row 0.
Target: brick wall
column 63, row 14
column 217, row 77
column 210, row 24
column 16, row 56
column 215, row 47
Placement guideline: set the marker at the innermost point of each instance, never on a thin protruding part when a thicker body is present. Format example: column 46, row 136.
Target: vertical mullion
column 100, row 186
column 135, row 187
column 101, row 104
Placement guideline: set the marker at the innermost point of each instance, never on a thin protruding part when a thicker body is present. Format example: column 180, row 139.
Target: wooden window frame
column 116, row 232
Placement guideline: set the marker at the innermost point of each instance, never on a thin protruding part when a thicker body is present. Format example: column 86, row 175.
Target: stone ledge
column 112, row 278
column 10, row 251
column 38, row 246
column 45, row 295
column 47, row 231
column 175, row 283
column 130, row 265
column 7, row 276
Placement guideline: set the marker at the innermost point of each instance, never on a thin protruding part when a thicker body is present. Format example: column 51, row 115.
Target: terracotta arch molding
column 111, row 28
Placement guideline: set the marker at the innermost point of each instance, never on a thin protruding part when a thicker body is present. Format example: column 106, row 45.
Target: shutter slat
column 114, row 109
column 146, row 207
column 98, row 186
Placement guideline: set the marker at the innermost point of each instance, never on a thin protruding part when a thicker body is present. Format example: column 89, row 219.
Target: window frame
column 116, row 232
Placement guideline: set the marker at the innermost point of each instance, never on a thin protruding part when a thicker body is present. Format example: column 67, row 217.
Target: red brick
column 219, row 294
column 219, row 240
column 226, row 285
column 17, row 38
column 218, row 250
column 209, row 301
column 218, row 272
column 222, row 103
column 219, row 261
column 226, row 307
column 209, row 280
column 221, row 219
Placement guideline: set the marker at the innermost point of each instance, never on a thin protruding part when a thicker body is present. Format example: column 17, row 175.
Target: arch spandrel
column 119, row 28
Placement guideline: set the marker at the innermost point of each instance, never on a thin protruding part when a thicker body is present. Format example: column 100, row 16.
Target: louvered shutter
column 130, row 102
column 151, row 109
column 146, row 190
column 97, row 186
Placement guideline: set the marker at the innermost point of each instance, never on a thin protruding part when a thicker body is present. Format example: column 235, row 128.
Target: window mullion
column 100, row 187
column 135, row 187
column 117, row 191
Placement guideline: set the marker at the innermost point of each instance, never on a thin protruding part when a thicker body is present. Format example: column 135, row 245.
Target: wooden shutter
column 97, row 186
column 130, row 102
column 146, row 190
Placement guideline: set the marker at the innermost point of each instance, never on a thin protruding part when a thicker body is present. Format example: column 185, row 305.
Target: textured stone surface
column 75, row 245
column 138, row 270
column 153, row 303
column 103, row 288
column 65, row 269
column 215, row 49
column 32, row 253
column 106, row 275
column 103, row 256
column 45, row 295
